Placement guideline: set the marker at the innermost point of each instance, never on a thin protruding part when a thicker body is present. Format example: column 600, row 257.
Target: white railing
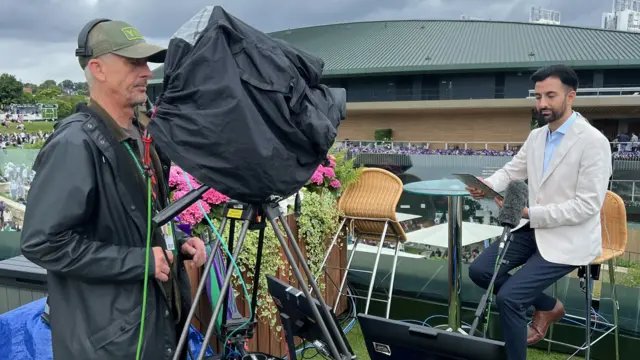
column 602, row 92
column 434, row 144
column 626, row 189
column 461, row 144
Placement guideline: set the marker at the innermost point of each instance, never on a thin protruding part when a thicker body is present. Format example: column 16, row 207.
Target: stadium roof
column 412, row 46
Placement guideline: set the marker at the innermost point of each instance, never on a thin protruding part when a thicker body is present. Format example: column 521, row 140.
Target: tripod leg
column 223, row 291
column 271, row 215
column 223, row 322
column 185, row 330
column 256, row 275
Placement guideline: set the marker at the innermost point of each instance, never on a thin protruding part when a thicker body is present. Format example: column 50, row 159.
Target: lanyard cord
column 146, row 268
column 135, row 159
column 147, row 176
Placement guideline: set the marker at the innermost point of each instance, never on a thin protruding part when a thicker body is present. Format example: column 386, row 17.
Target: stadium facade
column 466, row 81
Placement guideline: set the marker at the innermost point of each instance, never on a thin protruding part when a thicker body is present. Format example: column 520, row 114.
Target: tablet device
column 474, row 182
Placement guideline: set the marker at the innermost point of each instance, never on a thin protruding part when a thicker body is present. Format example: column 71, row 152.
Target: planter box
column 265, row 339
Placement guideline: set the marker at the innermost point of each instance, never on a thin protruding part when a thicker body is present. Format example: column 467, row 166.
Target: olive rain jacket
column 86, row 225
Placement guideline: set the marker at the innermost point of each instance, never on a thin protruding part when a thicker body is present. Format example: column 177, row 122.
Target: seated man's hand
column 476, row 194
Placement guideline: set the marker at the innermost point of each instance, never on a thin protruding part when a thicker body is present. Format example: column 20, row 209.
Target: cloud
column 38, row 38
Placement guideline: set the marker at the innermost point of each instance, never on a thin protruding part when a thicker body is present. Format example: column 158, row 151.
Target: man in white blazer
column 567, row 164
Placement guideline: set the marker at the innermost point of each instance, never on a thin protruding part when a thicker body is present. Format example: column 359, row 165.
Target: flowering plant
column 325, row 177
column 335, row 175
column 180, row 184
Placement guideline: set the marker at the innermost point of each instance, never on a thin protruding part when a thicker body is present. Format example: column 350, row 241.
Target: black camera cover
column 244, row 113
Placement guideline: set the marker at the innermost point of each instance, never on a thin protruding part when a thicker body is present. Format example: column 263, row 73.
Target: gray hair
column 89, row 76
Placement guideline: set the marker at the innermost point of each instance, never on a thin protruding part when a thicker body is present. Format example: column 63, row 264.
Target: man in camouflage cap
column 87, row 220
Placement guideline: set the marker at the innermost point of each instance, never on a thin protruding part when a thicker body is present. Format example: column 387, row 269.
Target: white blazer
column 565, row 203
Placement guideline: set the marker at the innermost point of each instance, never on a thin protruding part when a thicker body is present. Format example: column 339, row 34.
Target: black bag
column 245, row 113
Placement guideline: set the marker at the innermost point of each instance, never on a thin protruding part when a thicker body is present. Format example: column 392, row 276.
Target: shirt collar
column 566, row 126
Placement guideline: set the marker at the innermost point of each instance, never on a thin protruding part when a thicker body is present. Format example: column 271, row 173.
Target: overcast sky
column 38, row 37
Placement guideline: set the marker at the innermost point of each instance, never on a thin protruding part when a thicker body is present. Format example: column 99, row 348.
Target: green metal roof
column 410, row 46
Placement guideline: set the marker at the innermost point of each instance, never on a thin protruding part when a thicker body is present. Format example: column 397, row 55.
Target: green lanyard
column 135, row 159
column 170, row 229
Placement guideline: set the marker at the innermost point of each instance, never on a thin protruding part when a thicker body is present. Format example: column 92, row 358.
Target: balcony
column 601, row 92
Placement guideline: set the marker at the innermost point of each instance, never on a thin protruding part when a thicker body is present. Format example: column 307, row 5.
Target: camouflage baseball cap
column 120, row 38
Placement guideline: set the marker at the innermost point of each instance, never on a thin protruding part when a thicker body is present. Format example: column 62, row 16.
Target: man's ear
column 571, row 95
column 97, row 68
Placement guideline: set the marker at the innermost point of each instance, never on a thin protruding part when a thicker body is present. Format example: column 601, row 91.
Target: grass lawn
column 357, row 344
column 33, row 127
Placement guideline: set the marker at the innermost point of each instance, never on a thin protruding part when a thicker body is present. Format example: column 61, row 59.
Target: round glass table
column 454, row 190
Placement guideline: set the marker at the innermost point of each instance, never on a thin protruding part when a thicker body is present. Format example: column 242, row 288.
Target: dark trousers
column 515, row 293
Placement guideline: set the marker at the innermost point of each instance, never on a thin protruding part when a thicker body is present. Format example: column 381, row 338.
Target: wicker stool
column 369, row 209
column 614, row 241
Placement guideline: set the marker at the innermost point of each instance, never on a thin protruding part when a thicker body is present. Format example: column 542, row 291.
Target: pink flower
column 178, row 181
column 175, row 177
column 331, row 157
column 193, row 214
column 213, row 197
column 332, row 163
column 335, row 183
column 328, row 172
column 317, row 178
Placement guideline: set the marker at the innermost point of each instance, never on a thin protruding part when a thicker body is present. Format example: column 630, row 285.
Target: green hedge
column 383, row 134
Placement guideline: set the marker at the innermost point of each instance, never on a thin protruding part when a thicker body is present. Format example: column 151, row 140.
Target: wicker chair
column 613, row 217
column 369, row 208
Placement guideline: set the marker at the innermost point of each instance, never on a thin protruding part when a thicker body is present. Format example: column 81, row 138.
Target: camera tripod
column 253, row 217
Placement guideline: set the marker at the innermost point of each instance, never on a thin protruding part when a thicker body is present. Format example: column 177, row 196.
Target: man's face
column 123, row 78
column 553, row 99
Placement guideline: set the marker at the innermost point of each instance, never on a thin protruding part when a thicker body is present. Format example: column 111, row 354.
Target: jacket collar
column 118, row 132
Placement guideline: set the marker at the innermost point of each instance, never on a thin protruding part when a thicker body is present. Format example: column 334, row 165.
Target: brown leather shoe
column 541, row 322
column 532, row 335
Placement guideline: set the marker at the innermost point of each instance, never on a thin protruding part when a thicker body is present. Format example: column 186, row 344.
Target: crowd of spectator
column 628, row 150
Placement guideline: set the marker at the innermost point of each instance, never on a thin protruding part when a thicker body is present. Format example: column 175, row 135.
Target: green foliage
column 317, row 223
column 10, row 89
column 383, row 134
column 271, row 263
column 631, row 278
column 346, row 172
column 48, row 95
column 48, row 84
column 67, row 84
column 533, row 124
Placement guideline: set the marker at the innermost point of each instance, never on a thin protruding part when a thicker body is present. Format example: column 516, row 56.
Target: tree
column 10, row 89
column 81, row 88
column 48, row 96
column 65, row 108
column 27, row 98
column 67, row 85
column 48, row 84
column 33, row 87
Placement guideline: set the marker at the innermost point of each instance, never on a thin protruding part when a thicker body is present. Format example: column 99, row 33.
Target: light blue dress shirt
column 555, row 138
